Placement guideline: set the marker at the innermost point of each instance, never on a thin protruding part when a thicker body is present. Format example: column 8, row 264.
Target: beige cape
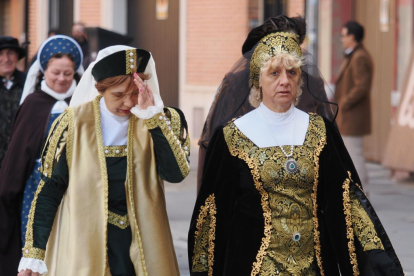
column 77, row 244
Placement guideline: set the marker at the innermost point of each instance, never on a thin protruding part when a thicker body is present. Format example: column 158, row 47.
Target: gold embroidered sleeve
column 36, row 236
column 175, row 132
column 203, row 256
column 363, row 227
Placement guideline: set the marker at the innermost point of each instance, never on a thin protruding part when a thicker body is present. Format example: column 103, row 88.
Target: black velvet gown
column 254, row 218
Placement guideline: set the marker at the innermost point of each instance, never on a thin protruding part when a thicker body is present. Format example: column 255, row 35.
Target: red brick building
column 195, row 42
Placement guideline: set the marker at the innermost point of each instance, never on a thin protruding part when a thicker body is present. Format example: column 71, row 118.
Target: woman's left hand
column 145, row 97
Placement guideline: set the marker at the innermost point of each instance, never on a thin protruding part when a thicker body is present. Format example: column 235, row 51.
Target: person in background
column 352, row 93
column 11, row 87
column 50, row 83
column 79, row 34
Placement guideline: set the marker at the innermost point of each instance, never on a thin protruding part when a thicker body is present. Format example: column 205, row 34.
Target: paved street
column 393, row 202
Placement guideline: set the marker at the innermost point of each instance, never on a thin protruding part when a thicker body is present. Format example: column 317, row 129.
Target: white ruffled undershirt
column 115, row 133
column 255, row 125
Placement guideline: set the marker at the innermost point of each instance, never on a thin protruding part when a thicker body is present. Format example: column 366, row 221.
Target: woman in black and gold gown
column 100, row 207
column 279, row 193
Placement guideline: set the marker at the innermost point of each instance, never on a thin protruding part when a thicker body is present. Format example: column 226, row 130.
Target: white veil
column 86, row 90
column 29, row 85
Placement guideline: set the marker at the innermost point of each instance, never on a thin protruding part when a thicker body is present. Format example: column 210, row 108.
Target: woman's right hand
column 27, row 272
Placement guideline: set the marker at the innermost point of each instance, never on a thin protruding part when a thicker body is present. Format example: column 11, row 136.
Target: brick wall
column 34, row 27
column 90, row 12
column 296, row 7
column 253, row 10
column 216, row 30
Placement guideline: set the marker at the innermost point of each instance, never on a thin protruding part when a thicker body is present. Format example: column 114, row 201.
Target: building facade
column 195, row 42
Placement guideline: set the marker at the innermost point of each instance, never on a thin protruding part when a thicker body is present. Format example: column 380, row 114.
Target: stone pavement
column 393, row 201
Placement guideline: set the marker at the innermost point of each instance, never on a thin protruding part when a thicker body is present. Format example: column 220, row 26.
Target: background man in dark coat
column 11, row 87
column 352, row 93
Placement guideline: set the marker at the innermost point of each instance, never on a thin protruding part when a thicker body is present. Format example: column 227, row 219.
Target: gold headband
column 268, row 47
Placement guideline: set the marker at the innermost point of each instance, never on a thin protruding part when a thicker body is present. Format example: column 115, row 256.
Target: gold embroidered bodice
column 290, row 198
column 289, row 247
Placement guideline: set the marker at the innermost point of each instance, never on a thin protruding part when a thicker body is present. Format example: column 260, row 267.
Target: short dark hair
column 356, row 29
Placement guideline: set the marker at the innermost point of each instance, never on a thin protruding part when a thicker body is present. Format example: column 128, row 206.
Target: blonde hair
column 288, row 61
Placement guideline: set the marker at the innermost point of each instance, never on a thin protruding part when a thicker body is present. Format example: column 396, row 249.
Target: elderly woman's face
column 118, row 100
column 279, row 87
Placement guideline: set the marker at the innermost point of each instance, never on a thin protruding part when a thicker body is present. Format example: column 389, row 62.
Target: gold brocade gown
column 291, row 250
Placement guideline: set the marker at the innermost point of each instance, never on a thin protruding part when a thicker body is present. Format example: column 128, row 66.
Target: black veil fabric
column 231, row 99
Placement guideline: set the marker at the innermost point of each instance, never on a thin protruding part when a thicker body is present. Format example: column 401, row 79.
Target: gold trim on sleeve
column 167, row 127
column 69, row 144
column 34, row 253
column 349, row 228
column 363, row 227
column 48, row 158
column 48, row 162
column 118, row 220
column 205, row 235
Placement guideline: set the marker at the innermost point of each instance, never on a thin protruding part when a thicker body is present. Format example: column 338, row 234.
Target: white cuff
column 151, row 110
column 34, row 265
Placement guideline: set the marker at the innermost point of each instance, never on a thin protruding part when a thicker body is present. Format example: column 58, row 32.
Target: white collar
column 58, row 96
column 105, row 110
column 114, row 128
column 275, row 118
column 348, row 50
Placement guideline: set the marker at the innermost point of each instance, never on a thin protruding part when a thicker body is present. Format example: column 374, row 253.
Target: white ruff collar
column 58, row 96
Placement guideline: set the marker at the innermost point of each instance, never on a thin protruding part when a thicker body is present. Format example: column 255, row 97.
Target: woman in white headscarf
column 48, row 89
column 100, row 206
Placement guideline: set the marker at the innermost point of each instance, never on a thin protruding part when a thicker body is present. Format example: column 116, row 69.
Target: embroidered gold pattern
column 115, row 151
column 319, row 125
column 29, row 251
column 205, row 235
column 287, row 200
column 236, row 150
column 69, row 144
column 34, row 253
column 363, row 226
column 270, row 268
column 268, row 47
column 349, row 228
column 58, row 127
column 48, row 159
column 131, row 191
column 131, row 67
column 118, row 220
column 169, row 127
column 102, row 164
